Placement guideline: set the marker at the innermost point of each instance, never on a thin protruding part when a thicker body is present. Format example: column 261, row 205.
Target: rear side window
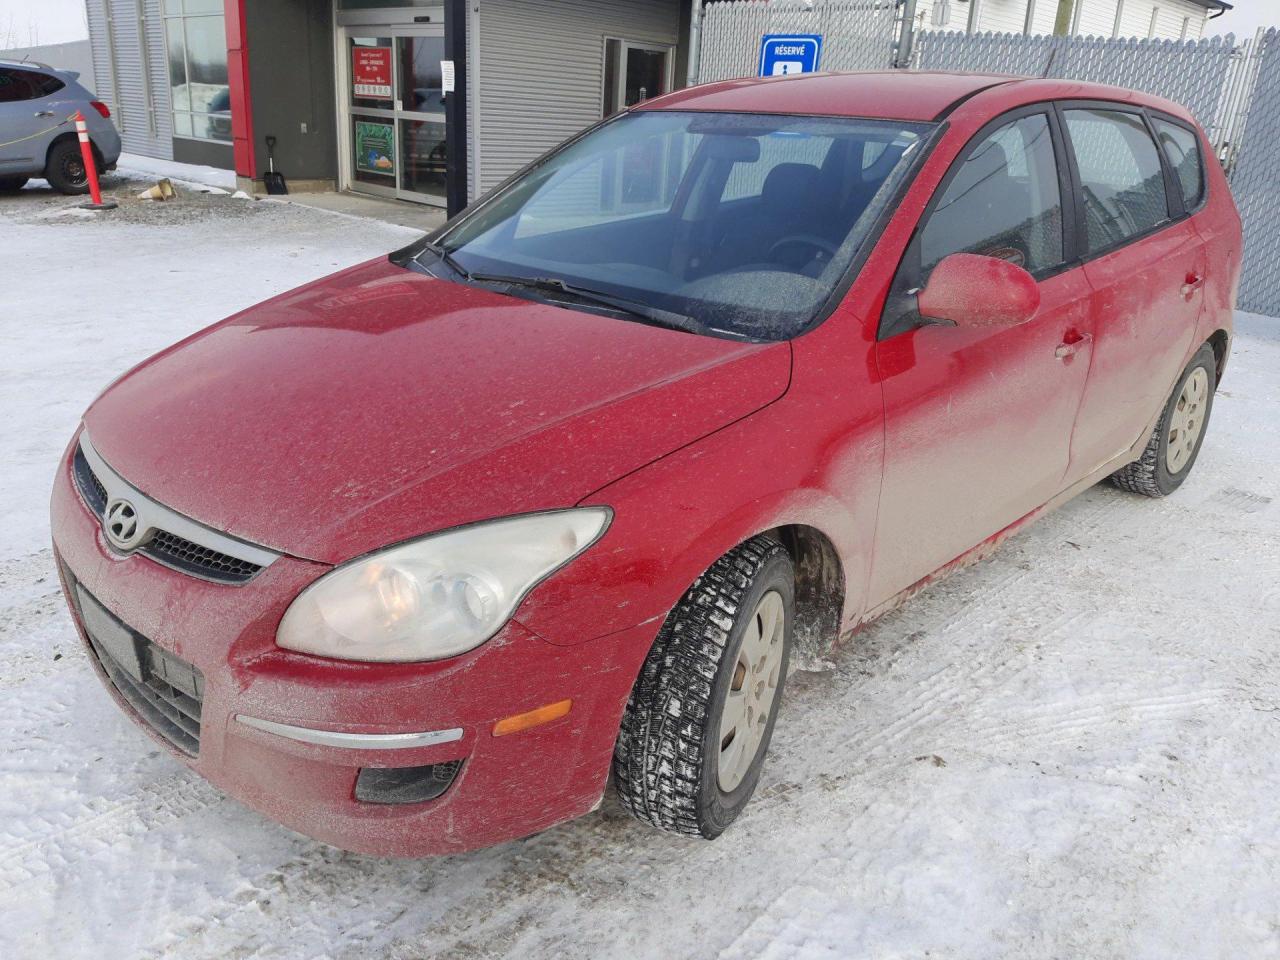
column 16, row 85
column 1121, row 179
column 1004, row 201
column 1182, row 148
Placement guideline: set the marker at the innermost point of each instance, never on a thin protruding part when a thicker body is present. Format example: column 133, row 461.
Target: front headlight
column 439, row 596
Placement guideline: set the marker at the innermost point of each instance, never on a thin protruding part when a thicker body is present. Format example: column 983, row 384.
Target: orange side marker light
column 534, row 718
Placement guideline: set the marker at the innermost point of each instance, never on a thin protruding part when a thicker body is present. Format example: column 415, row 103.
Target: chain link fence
column 1232, row 88
column 1193, row 73
column 1255, row 181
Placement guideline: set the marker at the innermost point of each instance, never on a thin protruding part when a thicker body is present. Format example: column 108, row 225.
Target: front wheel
column 697, row 727
column 1174, row 445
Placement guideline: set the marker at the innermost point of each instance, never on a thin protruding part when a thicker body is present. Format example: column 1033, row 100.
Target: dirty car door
column 1146, row 263
column 978, row 421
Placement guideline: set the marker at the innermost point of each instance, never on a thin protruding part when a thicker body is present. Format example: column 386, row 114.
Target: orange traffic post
column 90, row 168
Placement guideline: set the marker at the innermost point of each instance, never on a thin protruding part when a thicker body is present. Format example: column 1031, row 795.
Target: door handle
column 1193, row 283
column 1070, row 344
column 44, row 113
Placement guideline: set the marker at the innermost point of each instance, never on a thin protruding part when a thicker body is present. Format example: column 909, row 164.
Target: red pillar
column 238, row 80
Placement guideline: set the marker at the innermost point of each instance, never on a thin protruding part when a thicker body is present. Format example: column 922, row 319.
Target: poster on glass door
column 375, row 148
column 371, row 72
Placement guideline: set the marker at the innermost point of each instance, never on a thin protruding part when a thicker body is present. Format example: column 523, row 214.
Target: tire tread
column 658, row 760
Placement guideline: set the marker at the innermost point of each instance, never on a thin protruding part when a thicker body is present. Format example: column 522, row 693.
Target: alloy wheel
column 752, row 691
column 1186, row 420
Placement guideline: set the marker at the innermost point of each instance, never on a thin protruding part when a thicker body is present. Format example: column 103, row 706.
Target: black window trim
column 1201, row 144
column 1174, row 206
column 900, row 314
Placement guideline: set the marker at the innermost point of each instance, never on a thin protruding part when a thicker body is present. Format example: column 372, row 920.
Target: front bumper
column 506, row 787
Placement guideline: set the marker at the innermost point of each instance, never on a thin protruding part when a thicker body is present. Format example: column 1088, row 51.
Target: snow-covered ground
column 1071, row 750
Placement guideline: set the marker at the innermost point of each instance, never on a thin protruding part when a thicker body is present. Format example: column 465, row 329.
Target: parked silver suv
column 37, row 136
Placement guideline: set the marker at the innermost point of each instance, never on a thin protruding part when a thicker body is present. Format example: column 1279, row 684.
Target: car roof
column 881, row 94
column 891, row 94
column 26, row 64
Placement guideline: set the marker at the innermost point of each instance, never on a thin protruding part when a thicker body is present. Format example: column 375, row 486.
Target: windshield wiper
column 633, row 308
column 447, row 259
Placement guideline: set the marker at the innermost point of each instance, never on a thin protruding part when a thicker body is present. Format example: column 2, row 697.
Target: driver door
column 978, row 422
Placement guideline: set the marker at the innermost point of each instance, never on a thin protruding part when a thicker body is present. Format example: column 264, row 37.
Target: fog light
column 405, row 784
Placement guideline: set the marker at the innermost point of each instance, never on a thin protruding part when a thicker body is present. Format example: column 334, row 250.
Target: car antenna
column 1049, row 66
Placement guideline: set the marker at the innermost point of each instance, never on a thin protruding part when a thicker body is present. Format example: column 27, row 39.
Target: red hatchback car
column 410, row 558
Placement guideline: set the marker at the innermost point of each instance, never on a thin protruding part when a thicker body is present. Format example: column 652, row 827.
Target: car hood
column 381, row 404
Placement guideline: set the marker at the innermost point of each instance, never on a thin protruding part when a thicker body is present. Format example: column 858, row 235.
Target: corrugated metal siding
column 145, row 127
column 541, row 71
column 96, row 15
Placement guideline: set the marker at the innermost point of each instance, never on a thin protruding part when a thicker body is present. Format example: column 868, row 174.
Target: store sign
column 375, row 148
column 782, row 54
column 371, row 72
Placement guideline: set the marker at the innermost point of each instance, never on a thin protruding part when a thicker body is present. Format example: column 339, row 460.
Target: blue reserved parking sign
column 781, row 54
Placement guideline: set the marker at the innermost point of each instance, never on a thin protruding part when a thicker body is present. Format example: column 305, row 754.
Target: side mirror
column 969, row 290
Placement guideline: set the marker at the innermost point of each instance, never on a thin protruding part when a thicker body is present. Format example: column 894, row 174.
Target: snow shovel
column 274, row 182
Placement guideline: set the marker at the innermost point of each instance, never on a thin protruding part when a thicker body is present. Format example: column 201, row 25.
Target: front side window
column 197, row 44
column 1182, row 148
column 1121, row 180
column 1004, row 201
column 744, row 223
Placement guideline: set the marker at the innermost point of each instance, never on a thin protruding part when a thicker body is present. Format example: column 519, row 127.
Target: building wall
column 138, row 90
column 291, row 77
column 76, row 57
column 540, row 75
column 1095, row 18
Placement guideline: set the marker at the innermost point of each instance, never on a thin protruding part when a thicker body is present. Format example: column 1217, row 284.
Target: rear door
column 25, row 111
column 978, row 421
column 1146, row 265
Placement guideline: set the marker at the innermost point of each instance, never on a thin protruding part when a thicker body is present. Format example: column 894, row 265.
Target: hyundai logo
column 121, row 525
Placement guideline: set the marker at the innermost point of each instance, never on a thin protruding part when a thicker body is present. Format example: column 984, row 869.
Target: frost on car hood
column 379, row 404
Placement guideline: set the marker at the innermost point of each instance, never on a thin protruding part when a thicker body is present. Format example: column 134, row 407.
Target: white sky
column 1246, row 18
column 28, row 23
column 31, row 22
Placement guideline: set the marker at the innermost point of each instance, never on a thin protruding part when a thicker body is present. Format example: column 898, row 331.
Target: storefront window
column 197, row 42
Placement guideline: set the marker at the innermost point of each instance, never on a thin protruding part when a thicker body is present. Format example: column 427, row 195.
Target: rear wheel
column 698, row 724
column 1175, row 442
column 12, row 184
column 65, row 169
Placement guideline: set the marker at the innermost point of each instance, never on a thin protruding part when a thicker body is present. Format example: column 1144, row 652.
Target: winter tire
column 1175, row 443
column 65, row 169
column 12, row 184
column 697, row 726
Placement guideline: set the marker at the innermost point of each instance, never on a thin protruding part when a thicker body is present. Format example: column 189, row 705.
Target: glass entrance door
column 393, row 123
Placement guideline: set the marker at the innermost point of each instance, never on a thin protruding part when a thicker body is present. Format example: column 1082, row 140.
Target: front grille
column 165, row 547
column 91, row 488
column 190, row 557
column 165, row 690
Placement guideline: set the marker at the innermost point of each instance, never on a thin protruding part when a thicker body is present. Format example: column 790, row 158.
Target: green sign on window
column 376, row 148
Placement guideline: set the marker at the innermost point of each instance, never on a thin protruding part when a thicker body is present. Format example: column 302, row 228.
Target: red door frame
column 238, row 81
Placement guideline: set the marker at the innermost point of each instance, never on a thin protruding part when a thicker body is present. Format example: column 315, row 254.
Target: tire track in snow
column 101, row 823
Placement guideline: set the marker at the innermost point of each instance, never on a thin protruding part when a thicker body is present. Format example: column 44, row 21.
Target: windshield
column 742, row 223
